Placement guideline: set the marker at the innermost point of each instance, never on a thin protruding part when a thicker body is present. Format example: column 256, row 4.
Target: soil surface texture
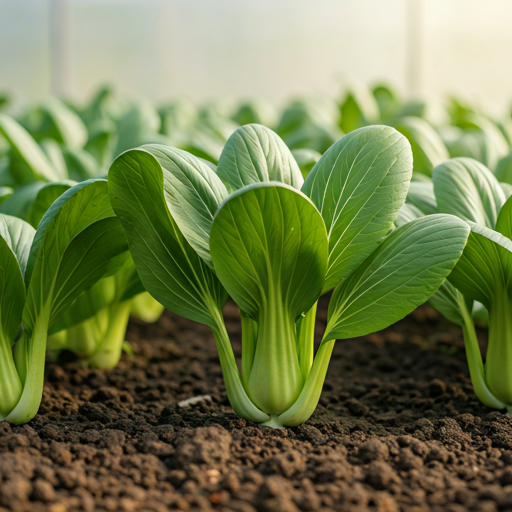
column 398, row 428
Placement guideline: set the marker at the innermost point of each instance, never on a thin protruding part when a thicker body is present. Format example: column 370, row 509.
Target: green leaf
column 96, row 298
column 306, row 159
column 5, row 193
column 446, row 301
column 485, row 265
column 421, row 195
column 18, row 204
column 507, row 189
column 268, row 239
column 256, row 111
column 255, row 154
column 15, row 240
column 401, row 274
column 53, row 151
column 359, row 185
column 504, row 222
column 96, row 252
column 65, row 237
column 358, row 109
column 136, row 124
column 102, row 141
column 18, row 235
column 467, row 189
column 193, row 192
column 45, row 197
column 168, row 266
column 428, row 148
column 504, row 169
column 27, row 149
column 81, row 164
column 312, row 136
column 407, row 213
column 65, row 126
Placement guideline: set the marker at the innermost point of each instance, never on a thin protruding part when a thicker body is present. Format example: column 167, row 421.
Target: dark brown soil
column 398, row 428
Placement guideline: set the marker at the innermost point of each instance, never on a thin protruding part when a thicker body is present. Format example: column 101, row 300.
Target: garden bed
column 398, row 427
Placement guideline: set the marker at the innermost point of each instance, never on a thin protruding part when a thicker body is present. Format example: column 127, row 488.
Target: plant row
column 411, row 205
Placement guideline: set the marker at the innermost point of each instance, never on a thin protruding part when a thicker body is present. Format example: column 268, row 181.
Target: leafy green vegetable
column 469, row 190
column 77, row 242
column 253, row 230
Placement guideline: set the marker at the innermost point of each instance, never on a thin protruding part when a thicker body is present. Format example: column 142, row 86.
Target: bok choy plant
column 466, row 188
column 253, row 229
column 77, row 242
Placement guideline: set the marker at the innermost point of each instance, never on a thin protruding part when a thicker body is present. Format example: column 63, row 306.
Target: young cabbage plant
column 253, row 229
column 466, row 188
column 77, row 242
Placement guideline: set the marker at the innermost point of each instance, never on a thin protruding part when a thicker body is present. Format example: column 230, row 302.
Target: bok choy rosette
column 77, row 242
column 482, row 278
column 253, row 229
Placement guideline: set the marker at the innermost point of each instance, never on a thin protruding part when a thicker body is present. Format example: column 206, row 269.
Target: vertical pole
column 59, row 44
column 414, row 48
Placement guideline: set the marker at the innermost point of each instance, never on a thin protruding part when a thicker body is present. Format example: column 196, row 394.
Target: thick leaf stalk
column 276, row 379
column 498, row 366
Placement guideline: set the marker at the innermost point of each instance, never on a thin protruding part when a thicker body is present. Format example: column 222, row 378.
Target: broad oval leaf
column 359, row 185
column 193, row 193
column 27, row 149
column 467, row 189
column 268, row 239
column 401, row 274
column 485, row 265
column 168, row 266
column 255, row 154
